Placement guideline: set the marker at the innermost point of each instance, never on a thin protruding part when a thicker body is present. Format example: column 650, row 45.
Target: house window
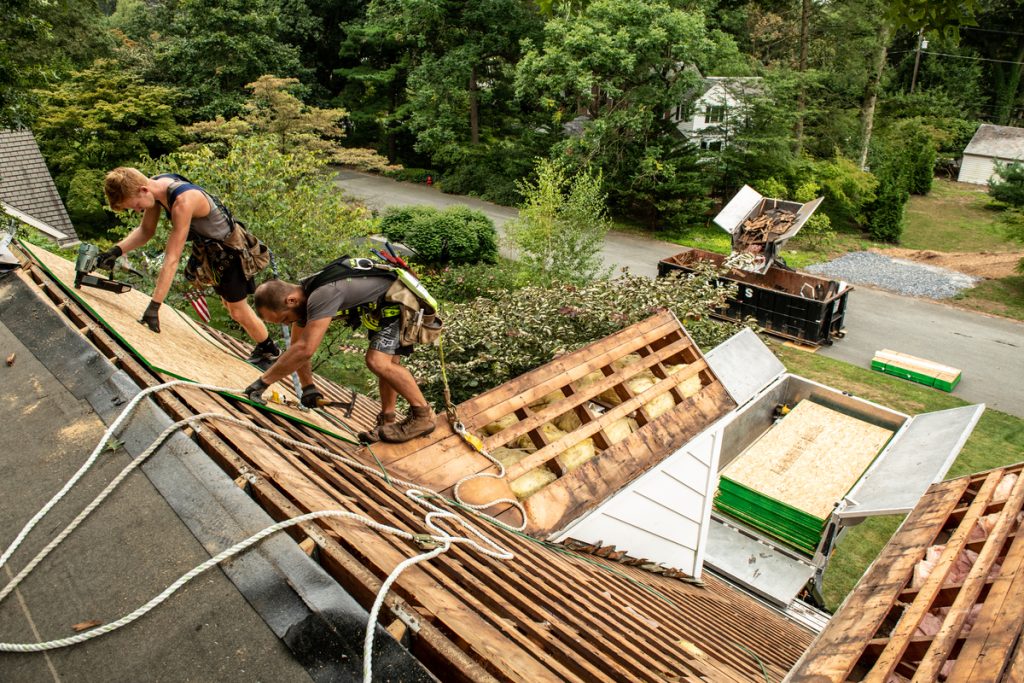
column 678, row 113
column 715, row 146
column 714, row 114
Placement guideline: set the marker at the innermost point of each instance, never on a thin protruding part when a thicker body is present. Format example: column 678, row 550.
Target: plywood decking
column 810, row 459
column 468, row 617
column 879, row 632
column 443, row 458
column 182, row 348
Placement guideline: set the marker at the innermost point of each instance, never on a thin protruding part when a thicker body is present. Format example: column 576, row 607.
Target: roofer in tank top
column 223, row 254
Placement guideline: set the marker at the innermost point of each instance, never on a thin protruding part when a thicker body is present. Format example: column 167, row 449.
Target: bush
column 561, row 224
column 490, row 340
column 413, row 175
column 772, row 187
column 1007, row 186
column 848, row 191
column 461, row 283
column 817, row 232
column 888, row 209
column 456, row 235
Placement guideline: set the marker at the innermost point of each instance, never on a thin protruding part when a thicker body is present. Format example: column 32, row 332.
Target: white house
column 989, row 145
column 718, row 108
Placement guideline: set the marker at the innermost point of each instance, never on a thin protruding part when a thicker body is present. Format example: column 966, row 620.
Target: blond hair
column 122, row 184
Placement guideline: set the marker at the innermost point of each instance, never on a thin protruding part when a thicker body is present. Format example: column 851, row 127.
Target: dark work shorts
column 388, row 338
column 234, row 285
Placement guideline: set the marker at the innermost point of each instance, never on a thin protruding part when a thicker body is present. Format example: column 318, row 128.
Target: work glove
column 151, row 317
column 254, row 392
column 107, row 259
column 311, row 396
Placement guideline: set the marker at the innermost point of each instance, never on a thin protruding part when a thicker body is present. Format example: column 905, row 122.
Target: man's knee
column 378, row 362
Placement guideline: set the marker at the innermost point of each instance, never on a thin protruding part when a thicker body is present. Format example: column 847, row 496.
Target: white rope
column 441, row 536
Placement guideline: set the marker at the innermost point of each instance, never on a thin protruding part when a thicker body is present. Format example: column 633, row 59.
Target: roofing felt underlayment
column 547, row 614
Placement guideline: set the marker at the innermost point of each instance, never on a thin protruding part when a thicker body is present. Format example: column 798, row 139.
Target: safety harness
column 407, row 297
column 211, row 257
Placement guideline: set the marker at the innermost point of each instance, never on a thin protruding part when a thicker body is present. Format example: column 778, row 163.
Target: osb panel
column 810, row 459
column 181, row 348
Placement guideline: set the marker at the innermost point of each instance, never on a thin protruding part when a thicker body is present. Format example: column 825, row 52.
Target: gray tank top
column 214, row 225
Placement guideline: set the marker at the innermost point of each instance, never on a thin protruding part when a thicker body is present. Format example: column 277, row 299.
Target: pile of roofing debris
column 757, row 232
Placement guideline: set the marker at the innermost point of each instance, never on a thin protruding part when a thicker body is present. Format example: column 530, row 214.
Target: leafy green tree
column 1007, row 185
column 622, row 62
column 99, row 118
column 40, row 42
column 561, row 224
column 492, row 339
column 893, row 169
column 455, row 235
column 209, row 49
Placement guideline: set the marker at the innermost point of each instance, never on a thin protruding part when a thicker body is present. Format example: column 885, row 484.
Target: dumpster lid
column 740, row 554
column 744, row 365
column 731, row 217
column 919, row 455
column 738, row 208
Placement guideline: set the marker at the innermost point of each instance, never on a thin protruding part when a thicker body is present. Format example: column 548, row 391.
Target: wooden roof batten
column 952, row 625
column 548, row 614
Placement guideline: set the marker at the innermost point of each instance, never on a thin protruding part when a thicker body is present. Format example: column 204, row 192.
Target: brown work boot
column 419, row 422
column 373, row 435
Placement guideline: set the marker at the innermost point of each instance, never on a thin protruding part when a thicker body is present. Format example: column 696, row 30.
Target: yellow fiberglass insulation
column 619, row 430
column 568, row 421
column 547, row 399
column 500, row 424
column 529, row 483
column 551, row 434
column 573, row 457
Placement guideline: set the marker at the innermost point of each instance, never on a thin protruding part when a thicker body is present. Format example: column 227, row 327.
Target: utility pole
column 921, row 44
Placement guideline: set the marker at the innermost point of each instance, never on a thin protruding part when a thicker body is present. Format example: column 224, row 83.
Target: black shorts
column 387, row 339
column 234, row 285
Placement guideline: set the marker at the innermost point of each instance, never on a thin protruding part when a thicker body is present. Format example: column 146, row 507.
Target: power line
column 990, row 30
column 980, row 59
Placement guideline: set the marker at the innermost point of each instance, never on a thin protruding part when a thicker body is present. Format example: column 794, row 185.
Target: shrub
column 561, row 225
column 817, row 232
column 772, row 187
column 490, row 340
column 463, row 282
column 1007, row 185
column 848, row 190
column 456, row 235
column 413, row 175
column 888, row 209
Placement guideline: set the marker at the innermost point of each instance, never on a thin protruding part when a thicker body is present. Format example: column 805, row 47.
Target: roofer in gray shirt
column 358, row 296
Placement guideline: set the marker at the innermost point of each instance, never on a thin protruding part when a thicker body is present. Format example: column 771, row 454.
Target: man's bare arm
column 298, row 355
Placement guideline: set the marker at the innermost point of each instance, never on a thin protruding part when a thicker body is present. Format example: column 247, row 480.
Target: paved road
column 989, row 350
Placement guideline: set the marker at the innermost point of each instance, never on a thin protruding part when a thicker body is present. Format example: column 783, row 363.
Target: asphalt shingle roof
column 1001, row 142
column 25, row 182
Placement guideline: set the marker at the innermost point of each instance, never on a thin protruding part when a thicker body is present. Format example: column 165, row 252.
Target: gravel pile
column 895, row 275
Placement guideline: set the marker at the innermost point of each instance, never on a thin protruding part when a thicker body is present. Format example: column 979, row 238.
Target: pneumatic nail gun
column 86, row 263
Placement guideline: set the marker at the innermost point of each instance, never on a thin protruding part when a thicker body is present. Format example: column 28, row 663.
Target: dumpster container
column 800, row 307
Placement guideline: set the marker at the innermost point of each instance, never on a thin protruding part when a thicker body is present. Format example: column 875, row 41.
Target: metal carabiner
column 360, row 264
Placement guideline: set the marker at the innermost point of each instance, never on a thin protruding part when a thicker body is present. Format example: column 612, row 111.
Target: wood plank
column 551, row 451
column 903, row 633
column 579, row 397
column 840, row 645
column 988, row 648
column 609, row 348
column 810, row 459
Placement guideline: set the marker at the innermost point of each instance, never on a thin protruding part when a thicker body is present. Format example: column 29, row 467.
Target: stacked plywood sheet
column 916, row 369
column 787, row 482
column 943, row 599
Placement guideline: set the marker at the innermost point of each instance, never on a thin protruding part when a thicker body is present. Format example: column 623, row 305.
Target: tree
column 623, row 64
column 1007, row 185
column 209, row 50
column 561, row 224
column 99, row 118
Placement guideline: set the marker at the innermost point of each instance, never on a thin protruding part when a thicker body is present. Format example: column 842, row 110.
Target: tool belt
column 420, row 322
column 210, row 258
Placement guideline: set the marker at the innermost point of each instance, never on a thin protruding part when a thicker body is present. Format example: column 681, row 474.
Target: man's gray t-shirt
column 327, row 300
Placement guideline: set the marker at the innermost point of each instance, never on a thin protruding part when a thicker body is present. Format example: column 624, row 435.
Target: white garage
column 989, row 145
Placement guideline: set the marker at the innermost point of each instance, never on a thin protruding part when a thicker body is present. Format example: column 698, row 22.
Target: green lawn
column 954, row 217
column 997, row 440
column 1004, row 297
